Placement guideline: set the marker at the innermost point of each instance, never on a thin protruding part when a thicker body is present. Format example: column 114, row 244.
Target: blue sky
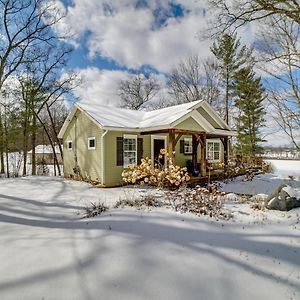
column 115, row 38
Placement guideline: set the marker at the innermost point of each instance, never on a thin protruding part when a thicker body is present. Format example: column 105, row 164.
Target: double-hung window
column 188, row 146
column 129, row 150
column 213, row 149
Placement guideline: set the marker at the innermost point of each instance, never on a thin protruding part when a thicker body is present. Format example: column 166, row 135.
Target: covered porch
column 198, row 138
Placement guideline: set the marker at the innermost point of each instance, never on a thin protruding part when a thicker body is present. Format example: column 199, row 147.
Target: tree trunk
column 1, row 146
column 25, row 145
column 50, row 140
column 33, row 142
column 6, row 143
column 54, row 130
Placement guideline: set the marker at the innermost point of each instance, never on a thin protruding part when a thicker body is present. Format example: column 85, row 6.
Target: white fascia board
column 71, row 116
column 202, row 121
column 214, row 115
column 67, row 122
column 89, row 116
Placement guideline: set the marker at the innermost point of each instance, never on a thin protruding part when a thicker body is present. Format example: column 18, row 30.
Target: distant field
column 285, row 167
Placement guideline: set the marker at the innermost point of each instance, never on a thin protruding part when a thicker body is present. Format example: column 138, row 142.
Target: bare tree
column 237, row 13
column 279, row 47
column 25, row 25
column 137, row 92
column 185, row 80
column 212, row 83
column 196, row 80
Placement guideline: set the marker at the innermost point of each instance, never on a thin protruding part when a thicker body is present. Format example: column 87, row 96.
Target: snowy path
column 46, row 252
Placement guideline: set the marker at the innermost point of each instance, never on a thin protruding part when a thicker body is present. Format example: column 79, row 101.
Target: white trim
column 202, row 121
column 70, row 118
column 213, row 141
column 130, row 136
column 102, row 156
column 90, row 139
column 157, row 137
column 69, row 141
column 215, row 116
column 67, row 122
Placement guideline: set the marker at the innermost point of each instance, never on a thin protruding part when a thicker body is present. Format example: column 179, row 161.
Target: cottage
column 100, row 141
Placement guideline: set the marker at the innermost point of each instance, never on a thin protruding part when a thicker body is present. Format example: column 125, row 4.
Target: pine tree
column 249, row 96
column 231, row 56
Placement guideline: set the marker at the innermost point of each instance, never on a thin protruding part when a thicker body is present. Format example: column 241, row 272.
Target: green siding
column 89, row 161
column 190, row 124
column 113, row 172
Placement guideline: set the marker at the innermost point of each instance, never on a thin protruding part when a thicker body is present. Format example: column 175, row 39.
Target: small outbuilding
column 100, row 141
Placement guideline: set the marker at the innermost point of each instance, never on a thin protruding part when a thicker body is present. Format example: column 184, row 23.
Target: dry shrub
column 169, row 176
column 94, row 210
column 138, row 202
column 199, row 201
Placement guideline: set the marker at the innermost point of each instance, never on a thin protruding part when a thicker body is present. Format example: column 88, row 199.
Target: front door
column 158, row 144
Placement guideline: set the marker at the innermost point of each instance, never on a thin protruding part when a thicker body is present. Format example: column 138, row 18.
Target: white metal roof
column 118, row 118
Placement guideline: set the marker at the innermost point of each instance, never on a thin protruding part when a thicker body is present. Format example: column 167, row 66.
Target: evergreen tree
column 231, row 57
column 249, row 96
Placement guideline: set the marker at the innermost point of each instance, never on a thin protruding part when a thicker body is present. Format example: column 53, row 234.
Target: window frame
column 190, row 140
column 92, row 138
column 133, row 137
column 214, row 141
column 68, row 142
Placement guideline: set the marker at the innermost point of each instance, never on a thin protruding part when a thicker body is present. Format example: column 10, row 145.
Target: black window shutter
column 181, row 146
column 140, row 150
column 120, row 151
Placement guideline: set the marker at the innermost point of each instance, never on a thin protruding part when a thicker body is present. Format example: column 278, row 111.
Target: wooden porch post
column 225, row 144
column 171, row 145
column 195, row 143
column 203, row 156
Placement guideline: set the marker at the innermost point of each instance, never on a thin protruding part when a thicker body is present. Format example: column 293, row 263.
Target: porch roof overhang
column 218, row 133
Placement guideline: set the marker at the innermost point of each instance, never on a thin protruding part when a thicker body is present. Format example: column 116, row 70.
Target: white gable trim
column 71, row 116
column 214, row 115
column 202, row 121
column 67, row 122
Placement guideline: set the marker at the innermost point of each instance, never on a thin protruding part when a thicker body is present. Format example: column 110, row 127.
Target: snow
column 127, row 118
column 285, row 167
column 48, row 252
column 261, row 184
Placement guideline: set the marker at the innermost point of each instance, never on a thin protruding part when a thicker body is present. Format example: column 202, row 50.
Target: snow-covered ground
column 285, row 167
column 261, row 184
column 48, row 252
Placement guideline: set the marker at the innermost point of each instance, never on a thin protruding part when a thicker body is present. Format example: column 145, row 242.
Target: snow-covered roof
column 114, row 118
column 126, row 118
column 45, row 149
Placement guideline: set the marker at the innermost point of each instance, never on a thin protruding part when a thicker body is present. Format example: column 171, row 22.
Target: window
column 130, row 150
column 188, row 146
column 213, row 151
column 91, row 143
column 69, row 145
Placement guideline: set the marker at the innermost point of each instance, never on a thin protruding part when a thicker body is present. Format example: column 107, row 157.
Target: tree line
column 32, row 86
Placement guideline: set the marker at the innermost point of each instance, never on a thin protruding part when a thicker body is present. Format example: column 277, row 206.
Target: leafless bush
column 199, row 201
column 94, row 210
column 139, row 202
